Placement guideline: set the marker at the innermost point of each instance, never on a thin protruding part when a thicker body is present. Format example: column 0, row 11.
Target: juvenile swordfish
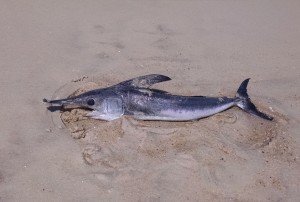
column 134, row 97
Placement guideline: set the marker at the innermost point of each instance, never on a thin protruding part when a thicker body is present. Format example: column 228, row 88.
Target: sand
column 49, row 49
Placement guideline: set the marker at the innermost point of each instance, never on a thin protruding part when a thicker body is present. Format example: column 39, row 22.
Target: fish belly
column 183, row 114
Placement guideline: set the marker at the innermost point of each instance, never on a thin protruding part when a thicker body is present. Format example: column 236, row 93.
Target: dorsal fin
column 145, row 81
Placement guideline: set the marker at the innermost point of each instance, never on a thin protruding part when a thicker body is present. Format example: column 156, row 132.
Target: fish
column 136, row 98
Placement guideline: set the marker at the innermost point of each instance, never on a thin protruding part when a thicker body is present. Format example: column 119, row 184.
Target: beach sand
column 49, row 49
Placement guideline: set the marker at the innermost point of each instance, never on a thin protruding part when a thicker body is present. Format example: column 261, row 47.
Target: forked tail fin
column 245, row 103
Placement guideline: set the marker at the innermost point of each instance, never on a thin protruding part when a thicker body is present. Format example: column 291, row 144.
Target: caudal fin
column 245, row 103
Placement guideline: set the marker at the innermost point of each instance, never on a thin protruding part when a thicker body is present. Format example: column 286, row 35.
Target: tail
column 245, row 103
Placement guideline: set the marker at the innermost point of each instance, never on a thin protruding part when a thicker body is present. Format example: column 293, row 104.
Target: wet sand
column 51, row 49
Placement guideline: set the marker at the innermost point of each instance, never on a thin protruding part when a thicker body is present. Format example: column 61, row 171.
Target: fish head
column 90, row 102
column 95, row 100
column 77, row 102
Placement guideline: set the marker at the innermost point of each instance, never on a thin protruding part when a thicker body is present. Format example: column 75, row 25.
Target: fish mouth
column 62, row 104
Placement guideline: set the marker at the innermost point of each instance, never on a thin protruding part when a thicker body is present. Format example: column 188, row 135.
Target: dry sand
column 52, row 48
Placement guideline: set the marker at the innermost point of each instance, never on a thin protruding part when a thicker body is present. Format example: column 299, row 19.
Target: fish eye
column 91, row 102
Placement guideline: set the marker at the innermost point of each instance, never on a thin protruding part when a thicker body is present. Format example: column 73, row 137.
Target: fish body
column 134, row 97
column 148, row 105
